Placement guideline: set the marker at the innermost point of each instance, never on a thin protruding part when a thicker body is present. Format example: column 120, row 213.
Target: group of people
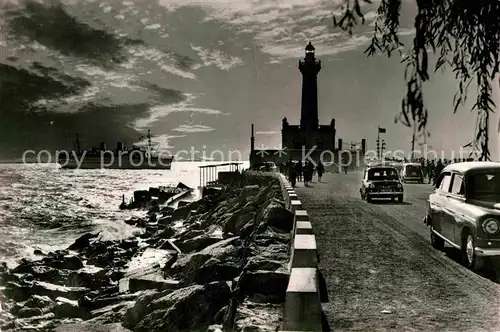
column 298, row 171
column 432, row 169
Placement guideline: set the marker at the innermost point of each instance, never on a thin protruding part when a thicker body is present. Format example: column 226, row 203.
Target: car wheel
column 436, row 241
column 400, row 199
column 469, row 257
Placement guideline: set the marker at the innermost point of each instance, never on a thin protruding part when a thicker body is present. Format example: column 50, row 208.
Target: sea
column 45, row 207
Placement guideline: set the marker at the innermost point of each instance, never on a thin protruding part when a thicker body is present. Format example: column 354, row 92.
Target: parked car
column 267, row 166
column 412, row 172
column 464, row 211
column 398, row 166
column 381, row 182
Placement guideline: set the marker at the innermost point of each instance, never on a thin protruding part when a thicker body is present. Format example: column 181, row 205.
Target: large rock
column 165, row 220
column 165, row 233
column 214, row 270
column 147, row 282
column 271, row 236
column 105, row 301
column 23, row 291
column 65, row 262
column 166, row 210
column 238, row 220
column 141, row 308
column 181, row 213
column 190, row 233
column 250, row 191
column 252, row 316
column 198, row 243
column 41, row 272
column 91, row 327
column 29, row 312
column 94, row 281
column 226, row 250
column 264, row 286
column 70, row 310
column 83, row 241
column 168, row 313
column 105, row 255
column 257, row 263
column 276, row 216
column 40, row 302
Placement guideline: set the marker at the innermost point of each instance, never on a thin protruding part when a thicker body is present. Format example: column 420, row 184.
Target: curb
column 302, row 310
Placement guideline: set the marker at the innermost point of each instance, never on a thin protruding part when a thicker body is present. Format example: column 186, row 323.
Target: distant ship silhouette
column 120, row 158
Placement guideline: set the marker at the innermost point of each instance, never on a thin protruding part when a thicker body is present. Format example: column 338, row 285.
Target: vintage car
column 381, row 182
column 464, row 211
column 267, row 166
column 412, row 172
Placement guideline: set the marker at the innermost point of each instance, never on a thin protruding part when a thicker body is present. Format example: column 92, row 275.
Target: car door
column 451, row 217
column 438, row 204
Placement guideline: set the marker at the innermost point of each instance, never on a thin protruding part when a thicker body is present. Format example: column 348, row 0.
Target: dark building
column 309, row 133
column 298, row 140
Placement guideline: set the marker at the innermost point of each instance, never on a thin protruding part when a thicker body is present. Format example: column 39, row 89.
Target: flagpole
column 378, row 142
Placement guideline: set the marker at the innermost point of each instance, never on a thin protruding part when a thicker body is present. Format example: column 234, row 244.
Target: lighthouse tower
column 309, row 67
column 309, row 134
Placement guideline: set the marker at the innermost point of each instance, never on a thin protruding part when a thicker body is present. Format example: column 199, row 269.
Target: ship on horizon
column 120, row 158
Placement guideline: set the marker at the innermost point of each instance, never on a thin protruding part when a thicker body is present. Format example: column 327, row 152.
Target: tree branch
column 464, row 33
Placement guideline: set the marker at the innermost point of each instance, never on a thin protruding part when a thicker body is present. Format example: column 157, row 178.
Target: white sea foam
column 47, row 209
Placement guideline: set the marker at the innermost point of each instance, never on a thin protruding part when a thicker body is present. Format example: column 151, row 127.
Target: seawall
column 302, row 308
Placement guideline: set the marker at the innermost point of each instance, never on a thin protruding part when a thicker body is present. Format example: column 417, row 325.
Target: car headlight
column 491, row 226
column 400, row 185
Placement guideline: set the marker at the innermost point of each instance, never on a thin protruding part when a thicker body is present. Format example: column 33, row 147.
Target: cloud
column 217, row 58
column 48, row 83
column 142, row 56
column 109, row 88
column 271, row 132
column 162, row 142
column 153, row 26
column 193, row 128
column 53, row 27
column 282, row 28
column 160, row 111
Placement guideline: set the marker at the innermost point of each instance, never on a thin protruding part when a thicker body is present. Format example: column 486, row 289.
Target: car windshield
column 484, row 186
column 382, row 174
column 413, row 169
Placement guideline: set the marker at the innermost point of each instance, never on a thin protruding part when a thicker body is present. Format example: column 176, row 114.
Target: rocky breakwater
column 219, row 263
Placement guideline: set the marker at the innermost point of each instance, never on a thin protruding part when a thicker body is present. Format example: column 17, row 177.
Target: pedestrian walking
column 308, row 172
column 293, row 175
column 437, row 171
column 320, row 169
column 299, row 171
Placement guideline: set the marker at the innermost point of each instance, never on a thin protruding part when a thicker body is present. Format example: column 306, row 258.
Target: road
column 380, row 270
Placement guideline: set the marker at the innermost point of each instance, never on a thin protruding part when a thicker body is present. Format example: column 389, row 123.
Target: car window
column 484, row 186
column 382, row 174
column 413, row 169
column 457, row 186
column 445, row 182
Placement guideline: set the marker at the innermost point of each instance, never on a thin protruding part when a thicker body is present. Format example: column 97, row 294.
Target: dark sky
column 198, row 75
